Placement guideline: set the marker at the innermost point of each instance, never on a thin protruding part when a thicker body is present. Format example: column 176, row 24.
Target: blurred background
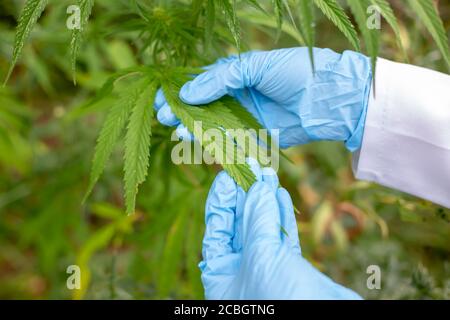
column 47, row 139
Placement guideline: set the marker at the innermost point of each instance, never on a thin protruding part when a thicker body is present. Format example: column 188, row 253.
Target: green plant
column 44, row 226
column 15, row 150
column 171, row 35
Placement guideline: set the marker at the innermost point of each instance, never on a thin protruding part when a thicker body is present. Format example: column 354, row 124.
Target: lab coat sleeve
column 406, row 141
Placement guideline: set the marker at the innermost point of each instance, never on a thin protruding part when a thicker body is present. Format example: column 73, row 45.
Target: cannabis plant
column 174, row 38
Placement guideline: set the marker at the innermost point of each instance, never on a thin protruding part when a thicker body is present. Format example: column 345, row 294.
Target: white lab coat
column 406, row 142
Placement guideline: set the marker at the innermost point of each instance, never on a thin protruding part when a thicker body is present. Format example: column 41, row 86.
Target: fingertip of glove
column 225, row 182
column 255, row 167
column 160, row 100
column 284, row 198
column 187, row 94
column 166, row 116
column 283, row 194
column 223, row 191
column 203, row 89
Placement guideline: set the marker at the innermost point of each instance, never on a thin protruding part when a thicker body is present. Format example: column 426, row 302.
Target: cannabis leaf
column 429, row 15
column 85, row 11
column 111, row 130
column 255, row 4
column 213, row 116
column 387, row 12
column 229, row 11
column 278, row 10
column 28, row 17
column 137, row 143
column 246, row 119
column 337, row 15
column 209, row 23
column 371, row 36
column 135, row 104
column 261, row 19
column 306, row 13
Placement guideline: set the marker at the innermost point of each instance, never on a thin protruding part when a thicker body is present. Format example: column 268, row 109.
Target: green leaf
column 97, row 241
column 112, row 129
column 337, row 15
column 193, row 242
column 278, row 10
column 108, row 86
column 137, row 145
column 242, row 119
column 209, row 23
column 229, row 11
column 105, row 210
column 387, row 12
column 172, row 257
column 245, row 118
column 255, row 4
column 197, row 7
column 371, row 36
column 213, row 116
column 120, row 54
column 429, row 15
column 75, row 43
column 306, row 13
column 261, row 19
column 291, row 16
column 30, row 14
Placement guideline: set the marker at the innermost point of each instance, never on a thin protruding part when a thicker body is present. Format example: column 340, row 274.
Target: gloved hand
column 245, row 254
column 279, row 88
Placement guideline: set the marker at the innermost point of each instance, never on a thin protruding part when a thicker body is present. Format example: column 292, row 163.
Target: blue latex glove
column 245, row 254
column 279, row 88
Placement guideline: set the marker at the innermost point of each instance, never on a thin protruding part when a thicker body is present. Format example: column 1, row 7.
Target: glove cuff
column 355, row 141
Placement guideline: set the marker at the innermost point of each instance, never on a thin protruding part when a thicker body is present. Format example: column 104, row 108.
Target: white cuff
column 406, row 141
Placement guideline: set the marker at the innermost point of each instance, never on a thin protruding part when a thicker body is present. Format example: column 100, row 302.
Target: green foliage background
column 48, row 134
